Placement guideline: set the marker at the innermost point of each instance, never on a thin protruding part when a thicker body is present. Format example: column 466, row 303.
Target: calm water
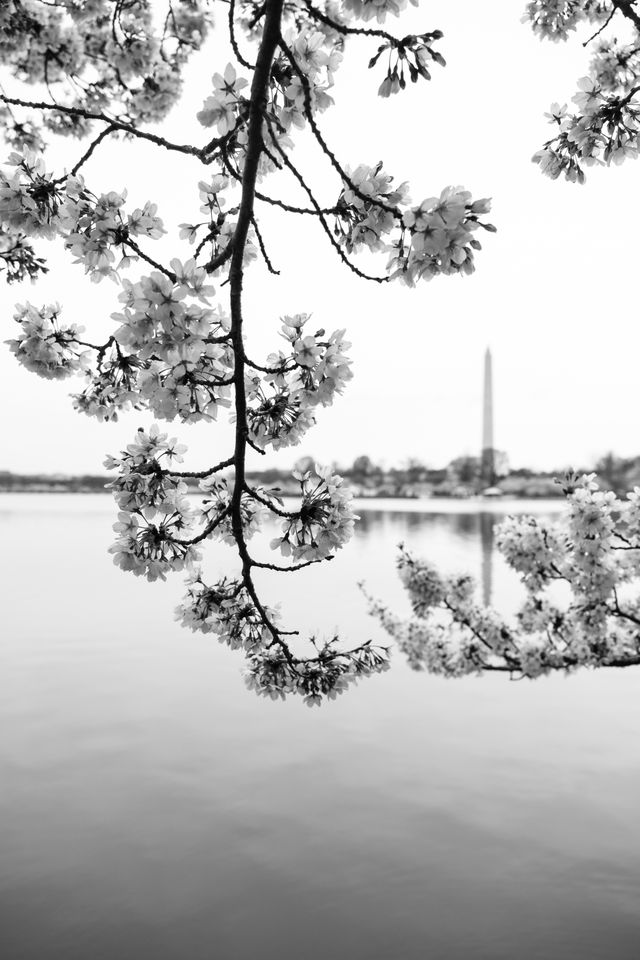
column 153, row 808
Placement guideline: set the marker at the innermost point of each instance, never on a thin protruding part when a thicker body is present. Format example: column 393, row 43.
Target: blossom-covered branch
column 594, row 552
column 178, row 349
column 603, row 127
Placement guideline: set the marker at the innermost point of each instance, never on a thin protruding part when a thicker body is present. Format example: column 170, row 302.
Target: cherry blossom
column 44, row 346
column 324, row 522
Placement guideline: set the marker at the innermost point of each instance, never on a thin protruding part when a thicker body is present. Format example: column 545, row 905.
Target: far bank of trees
column 414, row 478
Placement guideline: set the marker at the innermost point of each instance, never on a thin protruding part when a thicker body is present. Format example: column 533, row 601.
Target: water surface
column 151, row 807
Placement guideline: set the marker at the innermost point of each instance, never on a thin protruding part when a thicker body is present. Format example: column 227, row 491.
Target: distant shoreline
column 61, row 490
column 394, row 484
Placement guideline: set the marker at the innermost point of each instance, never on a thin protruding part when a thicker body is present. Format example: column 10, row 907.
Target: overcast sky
column 554, row 294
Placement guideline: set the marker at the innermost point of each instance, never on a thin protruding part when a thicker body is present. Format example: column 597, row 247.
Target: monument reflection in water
column 487, row 537
column 420, row 531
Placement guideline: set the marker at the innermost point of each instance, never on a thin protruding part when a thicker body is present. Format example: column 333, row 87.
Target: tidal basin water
column 152, row 807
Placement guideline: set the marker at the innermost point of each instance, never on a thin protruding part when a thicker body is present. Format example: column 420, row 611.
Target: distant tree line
column 462, row 476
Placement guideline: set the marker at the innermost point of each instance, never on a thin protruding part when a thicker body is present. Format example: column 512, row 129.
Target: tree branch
column 85, row 156
column 114, row 123
column 154, row 263
column 320, row 215
column 350, row 31
column 263, row 250
column 202, row 473
column 257, row 108
column 232, row 37
column 293, row 569
column 626, row 9
column 308, row 110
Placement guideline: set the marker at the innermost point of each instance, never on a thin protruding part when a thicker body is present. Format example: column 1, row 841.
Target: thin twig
column 288, row 515
column 321, row 217
column 115, row 123
column 154, row 263
column 308, row 110
column 232, row 37
column 208, row 530
column 601, row 28
column 85, row 156
column 197, row 475
column 350, row 31
column 255, row 447
column 288, row 208
column 263, row 250
column 293, row 569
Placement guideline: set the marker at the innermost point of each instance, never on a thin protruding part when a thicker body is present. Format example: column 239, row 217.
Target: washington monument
column 488, row 466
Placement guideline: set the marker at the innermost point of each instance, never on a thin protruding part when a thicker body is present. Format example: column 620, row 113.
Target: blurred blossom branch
column 594, row 551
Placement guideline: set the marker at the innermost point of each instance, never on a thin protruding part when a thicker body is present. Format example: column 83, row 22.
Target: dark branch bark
column 258, row 104
column 202, row 473
column 626, row 8
column 263, row 249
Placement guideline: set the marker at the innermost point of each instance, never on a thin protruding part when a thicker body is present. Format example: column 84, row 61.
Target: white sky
column 554, row 294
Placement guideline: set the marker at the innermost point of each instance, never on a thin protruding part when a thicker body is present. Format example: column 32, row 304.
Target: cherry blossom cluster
column 215, row 512
column 594, row 553
column 169, row 354
column 606, row 129
column 436, row 237
column 324, row 522
column 218, row 230
column 44, row 346
column 366, row 208
column 532, row 550
column 314, row 371
column 101, row 55
column 442, row 237
column 155, row 517
column 555, row 19
column 416, row 53
column 615, row 67
column 94, row 227
column 111, row 385
column 378, row 9
column 34, row 204
column 270, row 673
column 226, row 106
column 20, row 135
column 142, row 482
column 150, row 543
column 29, row 196
column 145, row 482
column 18, row 259
column 317, row 57
column 219, row 227
column 276, row 417
column 227, row 610
column 187, row 361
